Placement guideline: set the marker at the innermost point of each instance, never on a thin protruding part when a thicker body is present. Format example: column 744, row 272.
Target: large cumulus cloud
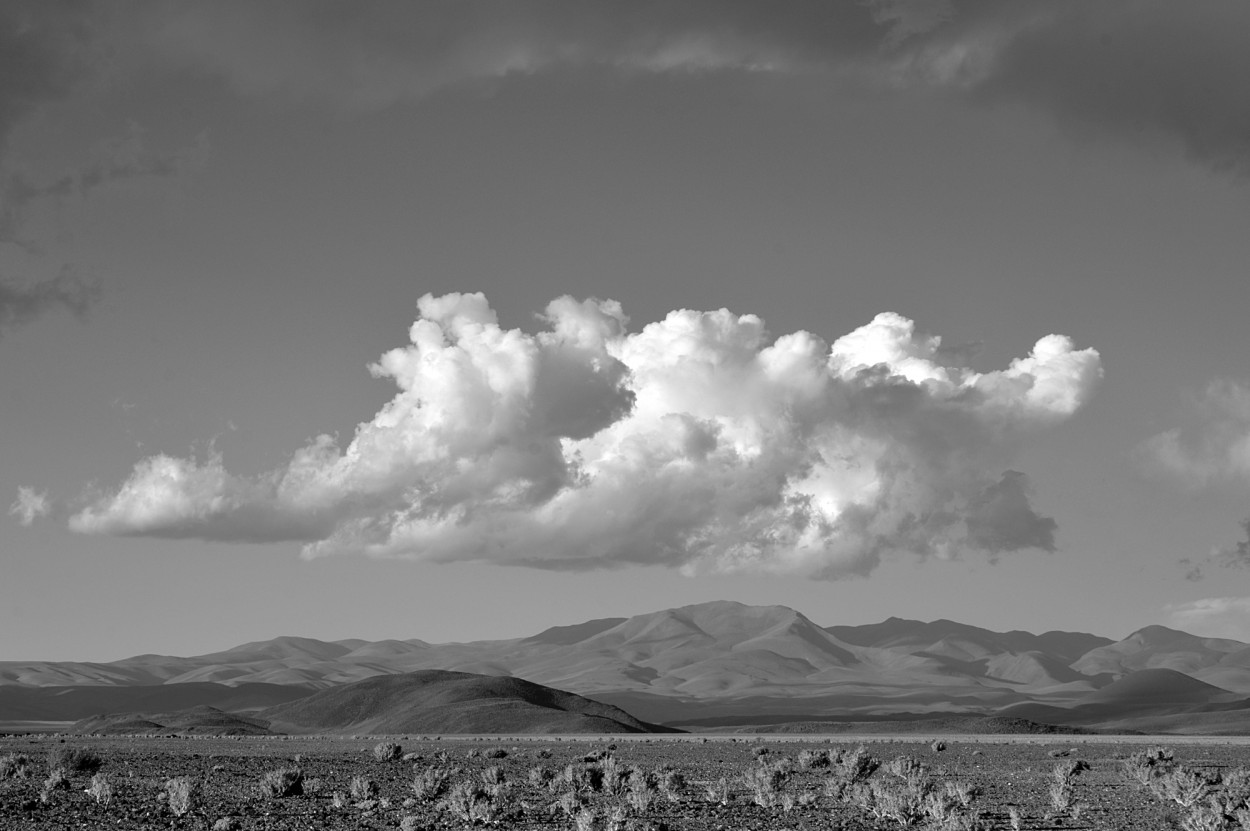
column 698, row 442
column 1133, row 68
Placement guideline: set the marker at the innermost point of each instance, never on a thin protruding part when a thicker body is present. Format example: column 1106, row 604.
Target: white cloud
column 1213, row 446
column 699, row 442
column 1212, row 617
column 30, row 505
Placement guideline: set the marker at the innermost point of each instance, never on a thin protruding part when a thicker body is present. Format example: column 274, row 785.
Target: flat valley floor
column 614, row 782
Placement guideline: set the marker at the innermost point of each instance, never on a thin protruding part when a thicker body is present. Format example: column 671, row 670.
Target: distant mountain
column 435, row 701
column 709, row 660
column 959, row 640
column 1140, row 699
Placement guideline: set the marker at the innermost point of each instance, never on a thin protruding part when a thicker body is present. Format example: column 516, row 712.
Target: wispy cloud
column 1236, row 555
column 699, row 442
column 1154, row 67
column 22, row 303
column 1212, row 617
column 1212, row 446
column 30, row 505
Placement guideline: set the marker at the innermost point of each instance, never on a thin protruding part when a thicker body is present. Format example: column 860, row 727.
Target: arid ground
column 689, row 782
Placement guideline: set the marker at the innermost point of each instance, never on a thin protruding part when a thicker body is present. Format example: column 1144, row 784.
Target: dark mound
column 69, row 703
column 1157, row 686
column 941, row 726
column 197, row 720
column 438, row 701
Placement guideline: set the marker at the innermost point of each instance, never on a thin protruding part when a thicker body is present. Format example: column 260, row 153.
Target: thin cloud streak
column 699, row 443
column 1152, row 68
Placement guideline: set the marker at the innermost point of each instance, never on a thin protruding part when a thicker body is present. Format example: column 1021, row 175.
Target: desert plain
column 708, row 783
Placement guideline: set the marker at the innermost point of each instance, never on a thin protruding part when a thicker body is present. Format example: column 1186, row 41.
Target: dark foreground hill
column 197, row 720
column 19, row 703
column 438, row 701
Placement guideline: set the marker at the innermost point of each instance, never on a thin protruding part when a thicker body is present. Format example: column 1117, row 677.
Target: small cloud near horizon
column 700, row 443
column 1212, row 617
column 1236, row 555
column 30, row 505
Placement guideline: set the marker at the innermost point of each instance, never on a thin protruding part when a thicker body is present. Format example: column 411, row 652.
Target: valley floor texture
column 723, row 783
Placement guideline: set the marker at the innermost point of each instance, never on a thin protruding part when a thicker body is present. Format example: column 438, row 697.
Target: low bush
column 387, row 752
column 282, row 783
column 74, row 760
column 180, row 795
column 14, row 766
column 101, row 789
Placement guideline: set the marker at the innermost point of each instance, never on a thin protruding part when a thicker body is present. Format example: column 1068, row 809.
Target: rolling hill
column 710, row 660
column 436, row 701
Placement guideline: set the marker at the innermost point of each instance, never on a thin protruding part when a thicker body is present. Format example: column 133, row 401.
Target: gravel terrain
column 1008, row 777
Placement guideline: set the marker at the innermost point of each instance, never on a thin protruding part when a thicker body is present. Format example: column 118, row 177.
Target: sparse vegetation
column 14, row 766
column 74, row 760
column 282, row 782
column 180, row 795
column 804, row 785
column 387, row 752
column 101, row 789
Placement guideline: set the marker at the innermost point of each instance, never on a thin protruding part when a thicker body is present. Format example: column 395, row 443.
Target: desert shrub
column 495, row 753
column 761, row 751
column 587, row 776
column 387, row 752
column 586, row 820
column 410, row 824
column 643, row 789
column 1183, row 785
column 180, row 795
column 718, row 792
column 228, row 824
column 282, row 782
column 544, row 753
column 1204, row 816
column 101, row 789
column 765, row 781
column 14, row 766
column 431, row 783
column 539, row 776
column 58, row 780
column 856, row 765
column 569, row 803
column 74, row 760
column 363, row 788
column 813, row 759
column 671, row 783
column 493, row 776
column 615, row 776
column 938, row 746
column 470, row 802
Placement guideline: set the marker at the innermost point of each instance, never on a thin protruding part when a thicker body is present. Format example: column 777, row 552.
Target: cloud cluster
column 1213, row 617
column 699, row 442
column 1131, row 68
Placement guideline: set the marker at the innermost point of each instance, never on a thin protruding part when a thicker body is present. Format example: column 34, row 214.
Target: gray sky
column 983, row 355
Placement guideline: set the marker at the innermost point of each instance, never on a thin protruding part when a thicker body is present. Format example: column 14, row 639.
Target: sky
column 459, row 320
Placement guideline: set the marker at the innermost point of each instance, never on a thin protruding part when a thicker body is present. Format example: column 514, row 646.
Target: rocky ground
column 763, row 783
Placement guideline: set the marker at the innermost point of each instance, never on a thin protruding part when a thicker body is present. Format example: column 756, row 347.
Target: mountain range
column 712, row 661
